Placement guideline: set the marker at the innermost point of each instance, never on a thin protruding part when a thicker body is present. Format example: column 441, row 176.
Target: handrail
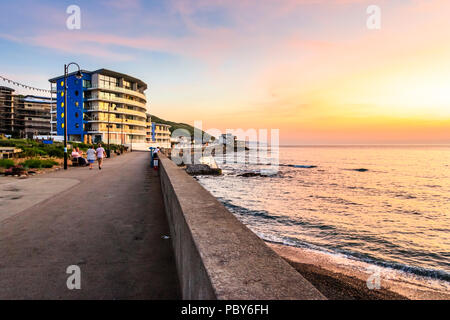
column 118, row 110
column 119, row 100
column 119, row 89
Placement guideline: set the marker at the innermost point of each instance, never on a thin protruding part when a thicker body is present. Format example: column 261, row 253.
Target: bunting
column 15, row 83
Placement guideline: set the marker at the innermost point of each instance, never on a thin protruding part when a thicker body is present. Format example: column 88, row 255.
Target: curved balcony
column 118, row 111
column 133, row 132
column 120, row 101
column 115, row 121
column 119, row 90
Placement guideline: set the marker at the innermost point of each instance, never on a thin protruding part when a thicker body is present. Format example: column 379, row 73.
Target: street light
column 121, row 129
column 78, row 75
column 108, row 151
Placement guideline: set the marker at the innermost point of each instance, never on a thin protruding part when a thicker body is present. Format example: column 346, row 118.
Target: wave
column 300, row 166
column 416, row 271
column 358, row 170
column 331, row 231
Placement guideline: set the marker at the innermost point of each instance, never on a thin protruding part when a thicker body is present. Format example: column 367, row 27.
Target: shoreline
column 340, row 278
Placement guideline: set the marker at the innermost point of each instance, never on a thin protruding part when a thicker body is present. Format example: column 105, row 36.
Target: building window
column 87, row 84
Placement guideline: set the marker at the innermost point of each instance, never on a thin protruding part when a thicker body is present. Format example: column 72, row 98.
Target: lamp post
column 121, row 131
column 78, row 76
column 108, row 151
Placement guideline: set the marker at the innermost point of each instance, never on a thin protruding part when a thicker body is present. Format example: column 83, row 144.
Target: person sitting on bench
column 77, row 155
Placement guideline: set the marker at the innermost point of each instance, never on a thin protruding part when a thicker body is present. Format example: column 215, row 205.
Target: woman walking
column 91, row 156
column 100, row 155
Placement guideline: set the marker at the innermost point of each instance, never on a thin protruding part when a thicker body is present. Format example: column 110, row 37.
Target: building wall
column 75, row 109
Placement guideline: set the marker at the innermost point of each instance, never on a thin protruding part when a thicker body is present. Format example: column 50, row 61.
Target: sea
column 381, row 206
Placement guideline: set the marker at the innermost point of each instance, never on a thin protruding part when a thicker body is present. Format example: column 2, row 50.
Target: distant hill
column 175, row 125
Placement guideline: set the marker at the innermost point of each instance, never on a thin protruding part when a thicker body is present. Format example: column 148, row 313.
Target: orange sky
column 386, row 86
column 310, row 68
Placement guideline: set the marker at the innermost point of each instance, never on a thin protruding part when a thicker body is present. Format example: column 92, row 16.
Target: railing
column 119, row 100
column 118, row 110
column 119, row 89
column 117, row 131
column 119, row 121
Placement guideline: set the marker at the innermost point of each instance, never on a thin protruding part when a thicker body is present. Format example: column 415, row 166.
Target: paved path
column 110, row 223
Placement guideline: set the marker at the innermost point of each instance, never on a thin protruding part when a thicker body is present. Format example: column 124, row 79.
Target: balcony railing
column 119, row 89
column 117, row 111
column 119, row 121
column 116, row 131
column 119, row 100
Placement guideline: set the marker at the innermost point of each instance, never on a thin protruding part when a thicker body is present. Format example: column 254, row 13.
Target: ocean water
column 383, row 205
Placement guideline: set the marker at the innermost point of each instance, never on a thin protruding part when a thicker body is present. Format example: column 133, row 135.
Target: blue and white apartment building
column 102, row 104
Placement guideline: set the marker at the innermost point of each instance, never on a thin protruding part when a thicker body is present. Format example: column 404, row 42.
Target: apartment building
column 24, row 116
column 103, row 106
column 158, row 134
column 6, row 111
column 32, row 116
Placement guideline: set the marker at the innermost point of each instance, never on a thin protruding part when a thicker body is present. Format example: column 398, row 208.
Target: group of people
column 92, row 155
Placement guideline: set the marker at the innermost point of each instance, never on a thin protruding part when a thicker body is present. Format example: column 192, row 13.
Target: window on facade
column 107, row 82
column 126, row 85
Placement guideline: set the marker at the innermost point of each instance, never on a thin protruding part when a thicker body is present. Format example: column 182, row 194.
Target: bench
column 76, row 163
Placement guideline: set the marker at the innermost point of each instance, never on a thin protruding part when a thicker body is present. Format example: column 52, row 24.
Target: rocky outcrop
column 259, row 174
column 202, row 169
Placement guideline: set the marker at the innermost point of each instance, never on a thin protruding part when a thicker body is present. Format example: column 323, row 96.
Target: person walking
column 91, row 156
column 101, row 154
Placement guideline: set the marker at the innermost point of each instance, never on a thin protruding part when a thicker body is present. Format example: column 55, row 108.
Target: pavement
column 109, row 223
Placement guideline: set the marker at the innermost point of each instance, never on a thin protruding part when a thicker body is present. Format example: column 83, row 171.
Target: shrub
column 55, row 151
column 37, row 164
column 33, row 152
column 48, row 163
column 32, row 163
column 6, row 163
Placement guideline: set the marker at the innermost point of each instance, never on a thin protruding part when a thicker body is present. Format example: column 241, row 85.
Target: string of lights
column 15, row 83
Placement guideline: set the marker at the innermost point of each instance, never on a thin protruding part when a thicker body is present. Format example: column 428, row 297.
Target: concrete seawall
column 217, row 256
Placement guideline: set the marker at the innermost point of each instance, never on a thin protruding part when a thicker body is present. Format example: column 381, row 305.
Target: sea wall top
column 217, row 256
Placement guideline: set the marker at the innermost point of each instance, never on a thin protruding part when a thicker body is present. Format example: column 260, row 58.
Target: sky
column 310, row 68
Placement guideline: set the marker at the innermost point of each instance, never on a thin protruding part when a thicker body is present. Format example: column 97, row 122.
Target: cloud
column 123, row 4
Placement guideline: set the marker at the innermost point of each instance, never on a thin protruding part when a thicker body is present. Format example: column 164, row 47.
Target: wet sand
column 339, row 278
column 336, row 286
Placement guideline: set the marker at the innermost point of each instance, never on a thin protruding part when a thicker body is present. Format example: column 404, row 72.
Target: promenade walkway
column 110, row 223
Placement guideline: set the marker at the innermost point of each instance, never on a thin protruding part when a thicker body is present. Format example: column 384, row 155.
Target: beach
column 339, row 278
